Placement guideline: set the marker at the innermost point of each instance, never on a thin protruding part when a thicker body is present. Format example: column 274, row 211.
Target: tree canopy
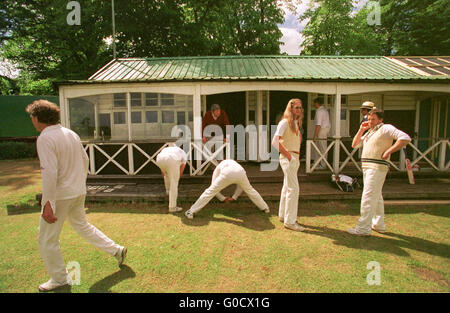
column 37, row 37
column 406, row 27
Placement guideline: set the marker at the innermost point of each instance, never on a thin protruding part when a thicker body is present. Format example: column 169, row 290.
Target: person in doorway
column 64, row 167
column 228, row 172
column 365, row 108
column 216, row 116
column 321, row 130
column 377, row 147
column 172, row 161
column 287, row 141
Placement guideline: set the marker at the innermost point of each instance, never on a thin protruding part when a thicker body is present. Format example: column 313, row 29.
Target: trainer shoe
column 175, row 209
column 189, row 214
column 295, row 227
column 52, row 285
column 120, row 255
column 356, row 232
column 266, row 210
column 378, row 230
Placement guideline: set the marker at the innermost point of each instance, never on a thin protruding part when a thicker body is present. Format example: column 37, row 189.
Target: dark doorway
column 278, row 102
column 232, row 102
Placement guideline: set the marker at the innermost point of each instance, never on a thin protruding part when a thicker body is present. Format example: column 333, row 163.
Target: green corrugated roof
column 305, row 68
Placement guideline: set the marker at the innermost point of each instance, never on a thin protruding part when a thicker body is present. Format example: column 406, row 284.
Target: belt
column 377, row 161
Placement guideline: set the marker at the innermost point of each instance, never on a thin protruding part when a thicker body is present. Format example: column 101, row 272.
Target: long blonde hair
column 289, row 116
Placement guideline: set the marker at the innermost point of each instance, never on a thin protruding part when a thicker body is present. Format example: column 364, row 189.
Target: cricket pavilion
column 125, row 113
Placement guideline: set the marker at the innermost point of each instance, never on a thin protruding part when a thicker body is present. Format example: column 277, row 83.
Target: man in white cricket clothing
column 172, row 161
column 228, row 172
column 287, row 140
column 64, row 166
column 321, row 130
column 377, row 146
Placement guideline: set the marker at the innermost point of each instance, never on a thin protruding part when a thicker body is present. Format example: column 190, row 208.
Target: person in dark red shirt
column 215, row 116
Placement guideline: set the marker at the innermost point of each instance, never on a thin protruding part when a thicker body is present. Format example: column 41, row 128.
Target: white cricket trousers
column 290, row 191
column 171, row 168
column 372, row 204
column 322, row 145
column 48, row 238
column 221, row 179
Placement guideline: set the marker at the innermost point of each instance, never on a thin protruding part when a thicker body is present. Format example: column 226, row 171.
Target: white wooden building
column 132, row 104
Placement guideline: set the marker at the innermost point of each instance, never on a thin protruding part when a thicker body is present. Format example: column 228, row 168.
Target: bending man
column 226, row 173
column 377, row 149
column 172, row 161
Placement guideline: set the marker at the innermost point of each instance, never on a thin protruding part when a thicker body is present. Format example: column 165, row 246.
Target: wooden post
column 129, row 115
column 337, row 131
column 196, row 111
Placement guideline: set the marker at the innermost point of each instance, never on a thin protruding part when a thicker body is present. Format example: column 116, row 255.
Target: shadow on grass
column 388, row 242
column 251, row 218
column 22, row 208
column 105, row 285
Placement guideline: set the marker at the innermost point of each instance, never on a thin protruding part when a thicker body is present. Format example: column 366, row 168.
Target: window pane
column 168, row 117
column 120, row 100
column 190, row 116
column 167, row 99
column 151, row 116
column 181, row 118
column 151, row 99
column 119, row 118
column 136, row 99
column 136, row 117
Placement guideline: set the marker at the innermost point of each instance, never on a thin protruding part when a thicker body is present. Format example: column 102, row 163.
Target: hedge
column 17, row 150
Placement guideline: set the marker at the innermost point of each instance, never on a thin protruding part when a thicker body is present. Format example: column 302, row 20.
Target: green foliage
column 408, row 27
column 10, row 150
column 46, row 49
column 327, row 32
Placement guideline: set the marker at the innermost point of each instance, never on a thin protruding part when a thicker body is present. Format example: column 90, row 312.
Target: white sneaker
column 120, row 255
column 189, row 214
column 175, row 209
column 356, row 232
column 378, row 230
column 52, row 285
column 266, row 210
column 295, row 227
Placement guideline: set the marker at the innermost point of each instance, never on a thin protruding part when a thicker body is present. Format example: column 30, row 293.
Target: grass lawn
column 227, row 247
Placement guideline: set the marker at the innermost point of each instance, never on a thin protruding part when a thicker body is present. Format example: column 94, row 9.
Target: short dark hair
column 378, row 112
column 318, row 100
column 46, row 112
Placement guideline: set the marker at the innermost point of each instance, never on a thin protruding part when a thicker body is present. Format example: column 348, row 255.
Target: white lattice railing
column 439, row 148
column 202, row 160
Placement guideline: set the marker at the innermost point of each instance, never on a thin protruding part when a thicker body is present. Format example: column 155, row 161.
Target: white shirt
column 387, row 130
column 64, row 164
column 322, row 117
column 281, row 128
column 176, row 152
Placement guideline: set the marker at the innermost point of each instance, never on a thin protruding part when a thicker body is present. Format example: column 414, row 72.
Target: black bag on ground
column 345, row 183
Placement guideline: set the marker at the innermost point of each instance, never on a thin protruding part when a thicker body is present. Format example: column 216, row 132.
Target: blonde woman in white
column 287, row 140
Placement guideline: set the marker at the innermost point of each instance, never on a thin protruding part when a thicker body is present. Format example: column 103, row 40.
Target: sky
column 292, row 28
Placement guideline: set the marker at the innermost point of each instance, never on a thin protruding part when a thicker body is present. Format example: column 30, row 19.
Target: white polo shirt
column 322, row 117
column 64, row 164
